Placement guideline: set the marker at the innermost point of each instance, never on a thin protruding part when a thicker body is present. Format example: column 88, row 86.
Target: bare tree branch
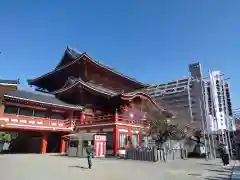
column 162, row 126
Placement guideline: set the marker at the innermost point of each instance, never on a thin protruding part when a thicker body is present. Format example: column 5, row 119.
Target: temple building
column 79, row 95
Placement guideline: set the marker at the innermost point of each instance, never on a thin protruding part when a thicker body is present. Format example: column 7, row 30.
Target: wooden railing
column 29, row 121
column 109, row 119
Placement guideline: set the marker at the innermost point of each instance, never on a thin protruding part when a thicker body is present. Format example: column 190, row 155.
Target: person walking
column 224, row 153
column 89, row 151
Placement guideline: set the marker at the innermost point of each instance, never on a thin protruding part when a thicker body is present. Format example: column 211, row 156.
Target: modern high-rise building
column 184, row 95
column 193, row 98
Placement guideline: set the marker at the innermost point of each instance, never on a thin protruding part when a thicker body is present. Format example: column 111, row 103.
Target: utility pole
column 227, row 119
column 203, row 128
column 204, row 120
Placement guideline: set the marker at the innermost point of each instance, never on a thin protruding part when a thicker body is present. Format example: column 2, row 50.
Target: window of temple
column 9, row 109
column 122, row 140
column 134, row 140
column 25, row 111
column 57, row 115
column 40, row 113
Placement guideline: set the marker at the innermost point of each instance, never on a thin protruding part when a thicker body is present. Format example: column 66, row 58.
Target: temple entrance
column 109, row 144
column 54, row 140
column 25, row 142
column 29, row 142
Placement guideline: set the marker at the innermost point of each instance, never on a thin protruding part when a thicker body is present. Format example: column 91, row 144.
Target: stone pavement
column 236, row 171
column 51, row 167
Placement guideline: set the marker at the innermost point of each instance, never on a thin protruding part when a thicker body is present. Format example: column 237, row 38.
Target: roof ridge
column 116, row 72
column 58, row 69
column 84, row 84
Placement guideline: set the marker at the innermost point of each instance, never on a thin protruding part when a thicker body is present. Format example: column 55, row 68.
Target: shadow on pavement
column 194, row 174
column 221, row 174
column 209, row 164
column 220, row 170
column 81, row 167
column 217, row 178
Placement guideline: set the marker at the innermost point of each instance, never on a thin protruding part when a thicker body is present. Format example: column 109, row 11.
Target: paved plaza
column 51, row 167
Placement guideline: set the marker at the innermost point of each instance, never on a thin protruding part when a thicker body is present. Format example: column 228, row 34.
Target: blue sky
column 152, row 41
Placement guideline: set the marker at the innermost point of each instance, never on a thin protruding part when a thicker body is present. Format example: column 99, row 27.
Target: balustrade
column 29, row 121
column 109, row 119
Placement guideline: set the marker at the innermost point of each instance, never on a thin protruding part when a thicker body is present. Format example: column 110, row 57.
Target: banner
column 215, row 78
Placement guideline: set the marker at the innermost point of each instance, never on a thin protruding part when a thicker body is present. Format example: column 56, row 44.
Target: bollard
column 166, row 154
column 134, row 154
column 137, row 154
column 159, row 154
column 156, row 155
column 150, row 155
column 145, row 155
column 162, row 155
column 140, row 155
column 129, row 154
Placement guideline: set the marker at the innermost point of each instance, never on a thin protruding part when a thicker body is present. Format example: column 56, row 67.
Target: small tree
column 168, row 124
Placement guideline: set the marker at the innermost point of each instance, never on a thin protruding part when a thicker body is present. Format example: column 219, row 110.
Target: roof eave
column 32, row 81
column 85, row 86
column 119, row 74
column 141, row 94
column 10, row 82
column 41, row 102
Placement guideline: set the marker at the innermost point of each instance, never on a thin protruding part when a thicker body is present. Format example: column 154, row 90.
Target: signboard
column 99, row 145
column 215, row 77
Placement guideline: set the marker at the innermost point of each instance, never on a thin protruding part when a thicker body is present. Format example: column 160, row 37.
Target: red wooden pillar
column 115, row 135
column 44, row 143
column 115, row 140
column 82, row 117
column 63, row 145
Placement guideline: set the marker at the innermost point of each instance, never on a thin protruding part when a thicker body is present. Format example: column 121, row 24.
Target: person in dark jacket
column 89, row 151
column 224, row 153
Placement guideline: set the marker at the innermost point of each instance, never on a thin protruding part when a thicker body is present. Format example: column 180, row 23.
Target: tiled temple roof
column 4, row 81
column 73, row 82
column 39, row 98
column 75, row 58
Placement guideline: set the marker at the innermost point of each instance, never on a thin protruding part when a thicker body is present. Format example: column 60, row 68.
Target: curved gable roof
column 87, row 86
column 77, row 56
column 131, row 96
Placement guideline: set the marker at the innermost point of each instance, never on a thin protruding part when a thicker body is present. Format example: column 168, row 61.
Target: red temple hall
column 79, row 95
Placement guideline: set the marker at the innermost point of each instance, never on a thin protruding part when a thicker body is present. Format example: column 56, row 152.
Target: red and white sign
column 99, row 145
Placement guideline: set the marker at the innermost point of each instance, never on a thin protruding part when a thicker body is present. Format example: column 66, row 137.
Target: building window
column 39, row 113
column 122, row 140
column 8, row 109
column 55, row 115
column 25, row 111
column 134, row 140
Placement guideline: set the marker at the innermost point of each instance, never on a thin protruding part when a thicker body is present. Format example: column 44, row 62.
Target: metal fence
column 155, row 154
